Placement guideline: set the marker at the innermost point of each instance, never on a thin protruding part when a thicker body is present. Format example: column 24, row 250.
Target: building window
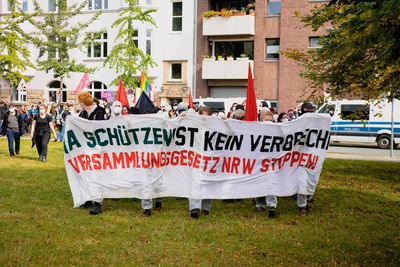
column 274, row 7
column 98, row 4
column 135, row 37
column 52, row 92
column 176, row 71
column 177, row 16
column 148, row 42
column 52, row 5
column 272, row 49
column 148, row 2
column 9, row 6
column 234, row 49
column 96, row 88
column 53, row 52
column 99, row 48
column 25, row 5
column 19, row 95
column 314, row 42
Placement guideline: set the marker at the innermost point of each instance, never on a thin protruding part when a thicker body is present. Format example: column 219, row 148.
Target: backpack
column 59, row 119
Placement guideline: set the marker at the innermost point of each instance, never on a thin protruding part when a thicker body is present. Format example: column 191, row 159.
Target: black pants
column 42, row 141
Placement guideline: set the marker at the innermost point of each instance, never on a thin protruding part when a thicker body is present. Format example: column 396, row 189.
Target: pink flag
column 83, row 83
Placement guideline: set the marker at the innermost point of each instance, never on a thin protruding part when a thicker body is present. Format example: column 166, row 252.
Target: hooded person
column 116, row 109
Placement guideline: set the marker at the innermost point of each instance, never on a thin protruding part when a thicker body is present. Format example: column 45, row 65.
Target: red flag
column 251, row 103
column 134, row 98
column 157, row 104
column 83, row 83
column 121, row 95
column 190, row 98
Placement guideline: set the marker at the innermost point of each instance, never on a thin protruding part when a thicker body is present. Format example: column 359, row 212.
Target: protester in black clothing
column 42, row 126
column 3, row 110
column 91, row 111
column 13, row 126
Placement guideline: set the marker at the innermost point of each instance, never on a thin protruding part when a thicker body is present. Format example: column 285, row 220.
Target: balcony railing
column 232, row 25
column 226, row 69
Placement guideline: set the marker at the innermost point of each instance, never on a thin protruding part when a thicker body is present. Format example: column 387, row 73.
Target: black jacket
column 98, row 114
column 4, row 125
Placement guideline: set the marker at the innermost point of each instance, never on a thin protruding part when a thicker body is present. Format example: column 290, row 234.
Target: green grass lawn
column 355, row 220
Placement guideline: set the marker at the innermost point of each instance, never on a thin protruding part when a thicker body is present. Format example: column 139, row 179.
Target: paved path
column 362, row 152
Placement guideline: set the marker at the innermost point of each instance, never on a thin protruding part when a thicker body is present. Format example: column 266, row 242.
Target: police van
column 360, row 121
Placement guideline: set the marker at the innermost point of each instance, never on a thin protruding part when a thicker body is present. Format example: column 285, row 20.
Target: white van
column 359, row 121
column 223, row 104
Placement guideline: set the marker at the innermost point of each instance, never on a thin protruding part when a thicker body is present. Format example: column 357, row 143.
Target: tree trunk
column 61, row 88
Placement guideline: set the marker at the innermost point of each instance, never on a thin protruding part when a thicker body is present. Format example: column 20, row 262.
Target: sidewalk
column 331, row 155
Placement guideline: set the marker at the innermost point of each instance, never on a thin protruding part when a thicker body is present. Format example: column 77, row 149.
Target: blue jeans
column 11, row 136
column 60, row 133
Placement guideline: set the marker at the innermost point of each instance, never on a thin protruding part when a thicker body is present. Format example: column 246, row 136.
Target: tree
column 15, row 56
column 56, row 35
column 360, row 54
column 125, row 57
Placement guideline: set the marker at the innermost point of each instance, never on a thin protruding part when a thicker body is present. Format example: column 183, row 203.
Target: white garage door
column 224, row 92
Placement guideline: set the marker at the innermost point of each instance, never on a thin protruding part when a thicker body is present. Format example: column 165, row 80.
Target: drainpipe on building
column 194, row 48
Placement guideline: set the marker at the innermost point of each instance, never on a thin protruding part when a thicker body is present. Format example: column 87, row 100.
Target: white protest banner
column 203, row 157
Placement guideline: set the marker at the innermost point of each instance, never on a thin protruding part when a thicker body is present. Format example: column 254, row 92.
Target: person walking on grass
column 13, row 126
column 42, row 127
column 91, row 111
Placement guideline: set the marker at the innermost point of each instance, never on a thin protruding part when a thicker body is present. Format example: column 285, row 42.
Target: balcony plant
column 210, row 13
column 229, row 58
column 241, row 12
column 242, row 57
column 225, row 13
column 252, row 12
column 220, row 58
column 208, row 58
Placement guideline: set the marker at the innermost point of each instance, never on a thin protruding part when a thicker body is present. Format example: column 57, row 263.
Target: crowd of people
column 43, row 119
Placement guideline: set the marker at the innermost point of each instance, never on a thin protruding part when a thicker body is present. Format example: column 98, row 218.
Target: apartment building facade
column 170, row 44
column 254, row 37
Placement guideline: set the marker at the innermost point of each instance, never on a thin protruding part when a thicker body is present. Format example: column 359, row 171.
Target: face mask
column 285, row 120
column 175, row 107
column 124, row 113
column 45, row 103
column 42, row 111
column 290, row 115
column 117, row 110
column 275, row 116
column 11, row 110
column 101, row 105
column 107, row 111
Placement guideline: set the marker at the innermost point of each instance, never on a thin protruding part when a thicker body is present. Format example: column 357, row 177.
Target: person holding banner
column 93, row 112
column 305, row 202
column 270, row 200
column 204, row 204
column 40, row 131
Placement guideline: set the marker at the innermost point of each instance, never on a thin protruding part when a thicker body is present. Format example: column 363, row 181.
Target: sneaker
column 260, row 208
column 12, row 154
column 43, row 158
column 205, row 212
column 146, row 213
column 17, row 153
column 271, row 213
column 194, row 213
column 302, row 212
column 88, row 204
column 96, row 209
column 157, row 206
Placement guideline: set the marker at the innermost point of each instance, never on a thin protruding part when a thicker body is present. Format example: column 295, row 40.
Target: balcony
column 226, row 69
column 232, row 25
